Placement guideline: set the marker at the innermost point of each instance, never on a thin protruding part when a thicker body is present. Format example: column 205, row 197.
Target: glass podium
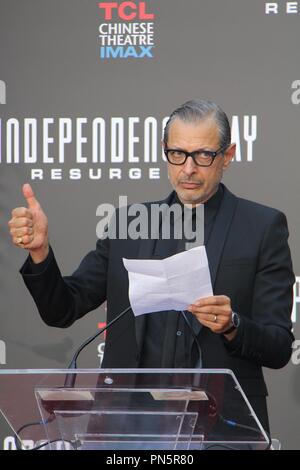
column 130, row 409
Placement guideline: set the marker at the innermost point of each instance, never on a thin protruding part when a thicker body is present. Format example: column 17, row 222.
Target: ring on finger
column 215, row 318
column 19, row 240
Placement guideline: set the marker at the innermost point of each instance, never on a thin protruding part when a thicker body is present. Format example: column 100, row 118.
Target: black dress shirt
column 168, row 340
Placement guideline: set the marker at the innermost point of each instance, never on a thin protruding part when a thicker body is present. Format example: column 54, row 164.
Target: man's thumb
column 29, row 196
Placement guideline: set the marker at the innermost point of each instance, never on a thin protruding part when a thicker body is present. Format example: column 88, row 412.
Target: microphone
column 69, row 383
column 71, row 378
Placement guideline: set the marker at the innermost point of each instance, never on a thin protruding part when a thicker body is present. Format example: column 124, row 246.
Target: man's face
column 195, row 184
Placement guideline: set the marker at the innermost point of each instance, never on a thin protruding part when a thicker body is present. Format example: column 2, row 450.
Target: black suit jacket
column 249, row 261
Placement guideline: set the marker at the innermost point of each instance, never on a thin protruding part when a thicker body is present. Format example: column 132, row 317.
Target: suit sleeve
column 62, row 300
column 266, row 338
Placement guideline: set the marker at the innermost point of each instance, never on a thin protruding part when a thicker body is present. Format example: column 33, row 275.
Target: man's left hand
column 213, row 312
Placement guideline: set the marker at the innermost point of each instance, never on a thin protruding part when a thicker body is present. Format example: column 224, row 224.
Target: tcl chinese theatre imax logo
column 127, row 30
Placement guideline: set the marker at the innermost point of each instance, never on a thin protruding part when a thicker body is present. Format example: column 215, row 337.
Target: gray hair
column 199, row 110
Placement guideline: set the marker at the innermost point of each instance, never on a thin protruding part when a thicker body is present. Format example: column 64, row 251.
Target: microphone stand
column 71, row 378
column 69, row 383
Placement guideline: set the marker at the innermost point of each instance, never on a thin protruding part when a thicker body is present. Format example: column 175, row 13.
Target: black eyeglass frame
column 210, row 153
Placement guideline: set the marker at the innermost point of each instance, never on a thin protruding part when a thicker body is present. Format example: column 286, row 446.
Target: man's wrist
column 230, row 335
column 39, row 256
column 235, row 323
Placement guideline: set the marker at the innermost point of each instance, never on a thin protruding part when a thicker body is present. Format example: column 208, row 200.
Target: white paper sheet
column 172, row 283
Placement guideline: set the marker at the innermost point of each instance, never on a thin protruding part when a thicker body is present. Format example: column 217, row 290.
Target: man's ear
column 228, row 156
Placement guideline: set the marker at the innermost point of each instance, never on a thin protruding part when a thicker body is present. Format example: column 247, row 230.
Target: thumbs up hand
column 29, row 227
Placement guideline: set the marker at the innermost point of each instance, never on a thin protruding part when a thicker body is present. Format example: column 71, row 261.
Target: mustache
column 191, row 181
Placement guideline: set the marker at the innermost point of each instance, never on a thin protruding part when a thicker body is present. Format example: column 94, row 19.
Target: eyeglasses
column 200, row 157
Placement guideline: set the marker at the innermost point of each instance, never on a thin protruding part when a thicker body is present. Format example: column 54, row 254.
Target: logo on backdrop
column 100, row 349
column 295, row 97
column 127, row 31
column 101, row 346
column 277, row 8
column 2, row 92
column 2, row 352
column 27, row 444
column 9, row 443
column 119, row 148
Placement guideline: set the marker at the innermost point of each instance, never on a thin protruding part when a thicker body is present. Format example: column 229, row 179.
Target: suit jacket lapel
column 216, row 242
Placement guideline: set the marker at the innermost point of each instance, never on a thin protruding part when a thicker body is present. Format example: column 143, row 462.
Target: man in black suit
column 244, row 326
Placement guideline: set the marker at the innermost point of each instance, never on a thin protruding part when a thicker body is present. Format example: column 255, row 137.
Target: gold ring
column 20, row 240
column 215, row 319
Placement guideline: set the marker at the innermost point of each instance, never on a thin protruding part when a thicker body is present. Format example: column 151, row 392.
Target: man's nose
column 189, row 167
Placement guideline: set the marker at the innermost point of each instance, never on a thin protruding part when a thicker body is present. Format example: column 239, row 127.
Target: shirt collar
column 211, row 204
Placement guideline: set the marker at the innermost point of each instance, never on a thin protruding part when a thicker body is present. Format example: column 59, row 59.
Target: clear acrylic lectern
column 121, row 409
